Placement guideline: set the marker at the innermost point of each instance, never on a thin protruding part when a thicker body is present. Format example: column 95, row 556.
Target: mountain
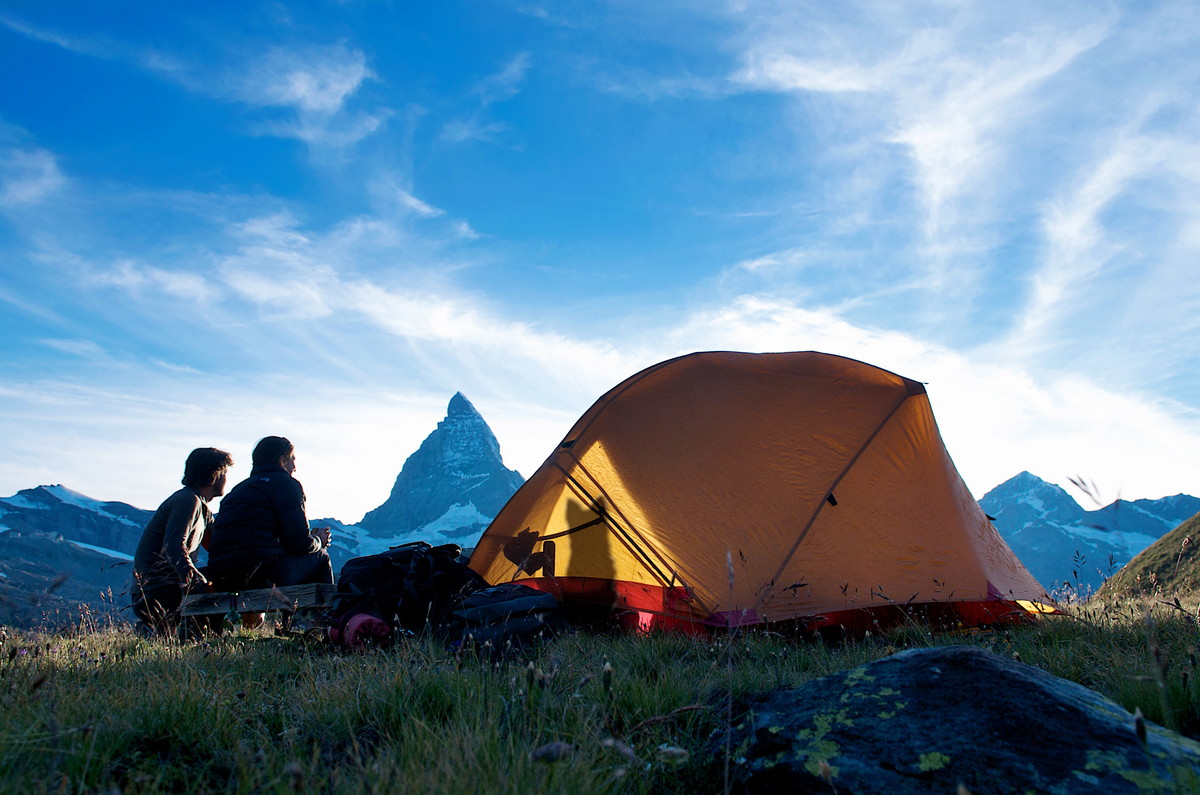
column 449, row 490
column 47, row 582
column 1167, row 568
column 60, row 549
column 1063, row 545
column 58, row 511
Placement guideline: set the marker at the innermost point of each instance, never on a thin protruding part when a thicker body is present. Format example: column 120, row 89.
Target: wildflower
column 672, row 754
column 624, row 749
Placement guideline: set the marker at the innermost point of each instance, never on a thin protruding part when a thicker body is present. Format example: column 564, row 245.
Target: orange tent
column 729, row 489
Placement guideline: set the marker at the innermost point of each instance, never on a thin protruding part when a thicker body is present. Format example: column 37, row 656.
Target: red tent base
column 640, row 607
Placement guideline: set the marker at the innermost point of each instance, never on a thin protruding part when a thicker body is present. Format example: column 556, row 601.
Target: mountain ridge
column 1065, row 546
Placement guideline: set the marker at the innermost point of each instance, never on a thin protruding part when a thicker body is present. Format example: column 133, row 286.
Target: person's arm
column 181, row 537
column 293, row 523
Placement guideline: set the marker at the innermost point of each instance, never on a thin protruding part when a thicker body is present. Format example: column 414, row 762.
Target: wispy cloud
column 98, row 46
column 506, row 83
column 461, row 130
column 492, row 89
column 83, row 348
column 410, row 203
column 310, row 79
column 787, row 259
column 138, row 279
column 951, row 90
column 289, row 273
column 28, row 176
column 313, row 82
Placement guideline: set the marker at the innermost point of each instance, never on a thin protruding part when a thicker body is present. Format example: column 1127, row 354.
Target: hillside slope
column 1168, row 567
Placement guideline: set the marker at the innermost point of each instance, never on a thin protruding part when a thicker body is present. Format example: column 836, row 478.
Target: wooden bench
column 289, row 598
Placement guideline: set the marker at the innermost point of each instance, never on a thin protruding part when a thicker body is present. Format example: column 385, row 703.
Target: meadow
column 101, row 709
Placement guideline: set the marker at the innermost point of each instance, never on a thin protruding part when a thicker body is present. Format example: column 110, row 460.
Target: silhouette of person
column 261, row 535
column 164, row 566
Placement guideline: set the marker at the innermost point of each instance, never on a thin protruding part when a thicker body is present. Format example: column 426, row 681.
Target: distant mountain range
column 1063, row 545
column 60, row 549
column 448, row 491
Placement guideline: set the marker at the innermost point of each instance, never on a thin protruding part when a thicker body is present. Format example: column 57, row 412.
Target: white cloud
column 310, row 79
column 498, row 87
column 789, row 259
column 138, row 279
column 954, row 118
column 28, row 176
column 461, row 130
column 313, row 81
column 83, row 348
column 949, row 90
column 506, row 83
column 997, row 417
column 464, row 230
column 414, row 204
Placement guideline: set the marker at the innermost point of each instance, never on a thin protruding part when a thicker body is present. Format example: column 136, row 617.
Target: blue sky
column 321, row 220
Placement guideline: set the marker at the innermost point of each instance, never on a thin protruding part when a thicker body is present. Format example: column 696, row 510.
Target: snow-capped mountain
column 456, row 482
column 50, row 511
column 1064, row 545
column 448, row 491
column 60, row 549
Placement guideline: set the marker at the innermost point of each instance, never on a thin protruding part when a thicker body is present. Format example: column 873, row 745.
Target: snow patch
column 63, row 494
column 1130, row 543
column 69, row 497
column 112, row 553
column 455, row 517
column 18, row 501
column 460, row 524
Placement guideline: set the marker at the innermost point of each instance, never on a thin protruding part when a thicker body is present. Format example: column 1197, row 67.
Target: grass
column 101, row 709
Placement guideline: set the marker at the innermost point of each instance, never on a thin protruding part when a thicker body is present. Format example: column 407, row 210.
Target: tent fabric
column 736, row 488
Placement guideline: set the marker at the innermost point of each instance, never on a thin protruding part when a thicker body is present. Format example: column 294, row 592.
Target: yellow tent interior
column 728, row 489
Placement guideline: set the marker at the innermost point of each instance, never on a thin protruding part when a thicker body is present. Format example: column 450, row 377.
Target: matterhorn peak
column 459, row 406
column 451, row 487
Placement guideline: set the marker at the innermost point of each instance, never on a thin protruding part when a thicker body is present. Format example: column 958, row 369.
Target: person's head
column 206, row 467
column 274, row 451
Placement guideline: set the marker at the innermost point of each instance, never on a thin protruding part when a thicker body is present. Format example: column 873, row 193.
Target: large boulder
column 932, row 720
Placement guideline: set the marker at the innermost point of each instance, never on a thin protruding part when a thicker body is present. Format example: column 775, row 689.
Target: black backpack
column 410, row 587
column 502, row 618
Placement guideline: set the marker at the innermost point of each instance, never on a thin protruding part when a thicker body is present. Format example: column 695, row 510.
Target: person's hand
column 323, row 535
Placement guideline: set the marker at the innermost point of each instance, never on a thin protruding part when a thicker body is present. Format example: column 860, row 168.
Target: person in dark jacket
column 164, row 567
column 261, row 535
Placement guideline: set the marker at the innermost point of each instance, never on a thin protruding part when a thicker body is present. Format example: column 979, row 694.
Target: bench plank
column 261, row 600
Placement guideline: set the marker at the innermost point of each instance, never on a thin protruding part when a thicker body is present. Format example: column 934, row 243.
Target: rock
column 930, row 720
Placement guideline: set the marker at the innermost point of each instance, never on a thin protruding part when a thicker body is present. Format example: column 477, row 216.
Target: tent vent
column 830, row 498
column 567, row 445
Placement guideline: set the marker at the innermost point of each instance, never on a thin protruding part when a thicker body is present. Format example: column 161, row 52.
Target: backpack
column 404, row 590
column 502, row 618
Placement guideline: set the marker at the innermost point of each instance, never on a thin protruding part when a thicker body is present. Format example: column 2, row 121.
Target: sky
column 320, row 220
